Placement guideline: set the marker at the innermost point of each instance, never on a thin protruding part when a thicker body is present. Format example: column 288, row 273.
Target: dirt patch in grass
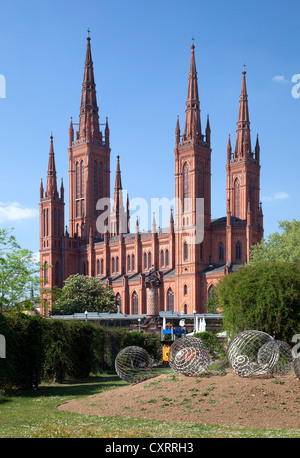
column 220, row 400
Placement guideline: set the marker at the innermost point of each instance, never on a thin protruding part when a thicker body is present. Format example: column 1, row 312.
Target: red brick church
column 186, row 271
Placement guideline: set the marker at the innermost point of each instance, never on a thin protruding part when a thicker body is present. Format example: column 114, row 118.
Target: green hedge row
column 40, row 349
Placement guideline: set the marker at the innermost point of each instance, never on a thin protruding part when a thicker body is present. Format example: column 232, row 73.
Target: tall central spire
column 89, row 118
column 192, row 112
column 243, row 139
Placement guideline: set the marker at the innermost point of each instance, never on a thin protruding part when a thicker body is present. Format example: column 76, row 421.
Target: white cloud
column 280, row 79
column 281, row 195
column 277, row 196
column 14, row 211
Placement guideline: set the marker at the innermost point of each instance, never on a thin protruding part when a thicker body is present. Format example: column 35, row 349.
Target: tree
column 81, row 293
column 18, row 271
column 264, row 296
column 284, row 246
column 212, row 302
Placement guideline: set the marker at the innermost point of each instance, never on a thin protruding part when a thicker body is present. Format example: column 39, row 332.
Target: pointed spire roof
column 229, row 150
column 118, row 181
column 177, row 131
column 118, row 193
column 192, row 116
column 243, row 139
column 51, row 190
column 88, row 107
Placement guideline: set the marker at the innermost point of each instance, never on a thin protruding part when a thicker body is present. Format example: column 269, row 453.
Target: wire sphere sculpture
column 253, row 353
column 133, row 364
column 297, row 366
column 285, row 362
column 189, row 356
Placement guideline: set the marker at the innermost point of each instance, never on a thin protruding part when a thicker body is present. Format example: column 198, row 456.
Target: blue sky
column 141, row 54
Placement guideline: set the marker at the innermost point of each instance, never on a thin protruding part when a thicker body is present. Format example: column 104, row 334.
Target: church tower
column 51, row 226
column 89, row 159
column 243, row 166
column 243, row 178
column 192, row 187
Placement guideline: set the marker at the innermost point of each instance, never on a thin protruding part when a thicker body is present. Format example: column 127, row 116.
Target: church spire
column 118, row 181
column 88, row 107
column 192, row 112
column 243, row 140
column 51, row 189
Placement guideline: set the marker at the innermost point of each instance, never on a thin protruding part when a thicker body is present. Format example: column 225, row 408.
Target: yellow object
column 166, row 349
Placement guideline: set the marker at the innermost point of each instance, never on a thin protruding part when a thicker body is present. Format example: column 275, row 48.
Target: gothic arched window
column 135, row 303
column 100, row 181
column 47, row 222
column 82, row 187
column 201, row 251
column 117, row 264
column 186, row 187
column 98, row 267
column 46, row 271
column 170, row 298
column 238, row 251
column 119, row 301
column 95, row 186
column 82, row 178
column 221, row 252
column 237, row 197
column 55, row 222
column 167, row 257
column 133, row 262
column 185, row 290
column 145, row 261
column 162, row 258
column 113, row 265
column 200, row 182
column 185, row 251
column 44, row 223
column 77, row 181
column 149, row 260
column 128, row 262
column 251, row 193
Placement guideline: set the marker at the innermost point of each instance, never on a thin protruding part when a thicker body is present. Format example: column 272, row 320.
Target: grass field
column 34, row 414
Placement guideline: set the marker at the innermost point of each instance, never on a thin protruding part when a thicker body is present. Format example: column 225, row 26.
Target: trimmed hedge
column 52, row 350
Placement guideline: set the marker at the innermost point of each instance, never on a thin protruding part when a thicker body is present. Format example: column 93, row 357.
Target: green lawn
column 33, row 414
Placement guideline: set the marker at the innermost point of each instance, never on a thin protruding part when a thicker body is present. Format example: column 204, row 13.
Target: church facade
column 187, row 266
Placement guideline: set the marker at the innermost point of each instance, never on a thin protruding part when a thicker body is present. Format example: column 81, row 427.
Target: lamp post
column 86, row 315
column 139, row 320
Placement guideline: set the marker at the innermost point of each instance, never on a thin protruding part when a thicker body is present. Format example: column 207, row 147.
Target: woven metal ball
column 253, row 353
column 133, row 364
column 297, row 366
column 285, row 362
column 189, row 356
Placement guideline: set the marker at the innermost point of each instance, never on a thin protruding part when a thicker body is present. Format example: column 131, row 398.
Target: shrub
column 212, row 343
column 47, row 349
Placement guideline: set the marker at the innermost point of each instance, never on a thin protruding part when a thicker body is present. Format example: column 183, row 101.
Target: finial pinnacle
column 88, row 31
column 193, row 39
